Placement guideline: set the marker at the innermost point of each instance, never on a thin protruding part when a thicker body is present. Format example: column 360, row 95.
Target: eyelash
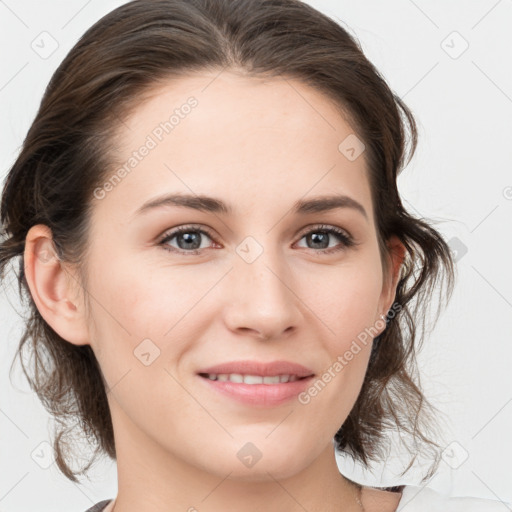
column 346, row 240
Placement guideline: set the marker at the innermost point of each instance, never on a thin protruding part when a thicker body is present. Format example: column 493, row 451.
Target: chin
column 262, row 472
column 273, row 464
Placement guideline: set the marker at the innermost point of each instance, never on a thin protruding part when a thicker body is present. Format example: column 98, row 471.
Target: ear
column 54, row 287
column 397, row 253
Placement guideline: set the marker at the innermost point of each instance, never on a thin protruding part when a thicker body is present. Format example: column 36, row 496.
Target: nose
column 261, row 300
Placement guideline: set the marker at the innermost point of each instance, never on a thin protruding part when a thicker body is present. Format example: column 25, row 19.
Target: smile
column 256, row 390
column 251, row 379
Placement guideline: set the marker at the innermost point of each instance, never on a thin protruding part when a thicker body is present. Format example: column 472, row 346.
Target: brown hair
column 65, row 156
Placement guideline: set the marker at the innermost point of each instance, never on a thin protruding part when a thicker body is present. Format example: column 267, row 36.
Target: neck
column 149, row 478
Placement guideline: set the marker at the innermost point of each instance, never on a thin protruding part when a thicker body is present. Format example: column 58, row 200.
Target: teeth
column 252, row 379
column 256, row 379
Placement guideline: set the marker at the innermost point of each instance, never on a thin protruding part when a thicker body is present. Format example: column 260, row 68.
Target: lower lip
column 266, row 395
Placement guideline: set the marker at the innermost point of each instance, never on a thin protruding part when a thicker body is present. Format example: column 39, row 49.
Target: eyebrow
column 213, row 205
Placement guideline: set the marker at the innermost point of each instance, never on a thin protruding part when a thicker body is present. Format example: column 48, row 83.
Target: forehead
column 251, row 140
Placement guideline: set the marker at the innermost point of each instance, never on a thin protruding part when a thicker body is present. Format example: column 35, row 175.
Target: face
column 252, row 276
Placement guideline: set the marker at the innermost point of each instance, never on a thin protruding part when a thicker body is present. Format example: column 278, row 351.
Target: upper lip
column 259, row 368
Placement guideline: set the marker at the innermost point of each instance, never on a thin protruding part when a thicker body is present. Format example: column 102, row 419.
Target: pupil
column 189, row 239
column 320, row 238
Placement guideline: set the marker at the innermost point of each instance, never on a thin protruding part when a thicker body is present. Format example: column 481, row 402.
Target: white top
column 423, row 499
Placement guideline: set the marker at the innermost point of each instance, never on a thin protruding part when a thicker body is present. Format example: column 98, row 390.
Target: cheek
column 146, row 314
column 348, row 309
column 348, row 302
column 142, row 328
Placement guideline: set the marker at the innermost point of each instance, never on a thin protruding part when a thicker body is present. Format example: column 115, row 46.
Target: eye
column 321, row 235
column 188, row 239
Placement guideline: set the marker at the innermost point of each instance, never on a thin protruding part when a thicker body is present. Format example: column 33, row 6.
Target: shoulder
column 100, row 506
column 424, row 499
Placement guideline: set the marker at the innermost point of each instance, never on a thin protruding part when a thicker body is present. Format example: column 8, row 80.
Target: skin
column 259, row 145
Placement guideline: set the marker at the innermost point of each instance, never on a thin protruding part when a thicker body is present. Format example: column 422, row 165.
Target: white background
column 461, row 177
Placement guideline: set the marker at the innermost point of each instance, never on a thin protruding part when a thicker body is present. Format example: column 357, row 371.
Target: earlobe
column 397, row 253
column 51, row 287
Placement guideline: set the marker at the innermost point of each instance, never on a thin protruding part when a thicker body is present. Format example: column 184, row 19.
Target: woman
column 219, row 267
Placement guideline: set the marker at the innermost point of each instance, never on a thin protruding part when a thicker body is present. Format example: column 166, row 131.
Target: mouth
column 257, row 384
column 252, row 379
